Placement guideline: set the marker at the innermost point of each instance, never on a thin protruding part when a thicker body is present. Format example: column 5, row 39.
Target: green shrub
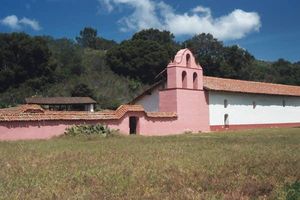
column 88, row 130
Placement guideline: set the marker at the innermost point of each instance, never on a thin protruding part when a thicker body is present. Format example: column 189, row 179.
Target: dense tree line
column 148, row 52
column 113, row 73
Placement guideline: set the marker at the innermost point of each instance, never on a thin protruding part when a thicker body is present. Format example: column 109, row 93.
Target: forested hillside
column 44, row 66
column 114, row 73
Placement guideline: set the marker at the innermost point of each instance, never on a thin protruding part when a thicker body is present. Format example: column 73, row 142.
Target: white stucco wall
column 150, row 102
column 269, row 109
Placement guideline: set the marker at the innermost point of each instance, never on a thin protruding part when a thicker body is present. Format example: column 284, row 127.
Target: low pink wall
column 159, row 126
column 122, row 124
column 148, row 126
column 47, row 129
column 32, row 130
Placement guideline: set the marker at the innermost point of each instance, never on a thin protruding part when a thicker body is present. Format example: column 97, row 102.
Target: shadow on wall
column 27, row 124
column 253, row 100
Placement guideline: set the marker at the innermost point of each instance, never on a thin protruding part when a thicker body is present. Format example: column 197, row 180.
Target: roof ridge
column 249, row 81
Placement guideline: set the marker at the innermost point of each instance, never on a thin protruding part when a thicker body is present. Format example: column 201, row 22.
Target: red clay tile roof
column 59, row 100
column 128, row 108
column 36, row 113
column 241, row 86
column 231, row 85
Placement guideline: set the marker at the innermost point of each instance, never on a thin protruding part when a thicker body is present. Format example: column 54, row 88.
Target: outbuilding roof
column 59, row 100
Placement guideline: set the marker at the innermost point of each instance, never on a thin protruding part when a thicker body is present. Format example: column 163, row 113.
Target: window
column 195, row 80
column 188, row 60
column 254, row 104
column 225, row 103
column 283, row 103
column 184, row 80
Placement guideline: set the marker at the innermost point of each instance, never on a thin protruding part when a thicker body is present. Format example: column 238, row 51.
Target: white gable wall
column 269, row 108
column 150, row 102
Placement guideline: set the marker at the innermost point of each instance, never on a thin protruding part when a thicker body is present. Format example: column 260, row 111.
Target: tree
column 296, row 67
column 284, row 72
column 237, row 62
column 87, row 38
column 164, row 38
column 104, row 44
column 209, row 52
column 218, row 60
column 23, row 57
column 82, row 90
column 68, row 57
column 143, row 56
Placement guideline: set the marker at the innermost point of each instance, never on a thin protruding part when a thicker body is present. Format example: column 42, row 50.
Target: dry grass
column 257, row 164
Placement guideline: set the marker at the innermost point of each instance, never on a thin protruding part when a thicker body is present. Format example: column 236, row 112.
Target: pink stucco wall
column 191, row 107
column 47, row 129
column 32, row 129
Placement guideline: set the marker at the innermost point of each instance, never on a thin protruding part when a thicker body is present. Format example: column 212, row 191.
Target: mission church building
column 219, row 103
column 184, row 100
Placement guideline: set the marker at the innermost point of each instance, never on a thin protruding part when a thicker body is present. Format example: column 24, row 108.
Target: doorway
column 132, row 125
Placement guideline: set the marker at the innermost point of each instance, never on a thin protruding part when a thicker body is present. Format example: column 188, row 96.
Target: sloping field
column 256, row 164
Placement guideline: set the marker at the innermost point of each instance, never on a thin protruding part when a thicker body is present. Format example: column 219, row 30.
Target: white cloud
column 201, row 9
column 30, row 22
column 142, row 17
column 13, row 22
column 107, row 4
column 151, row 14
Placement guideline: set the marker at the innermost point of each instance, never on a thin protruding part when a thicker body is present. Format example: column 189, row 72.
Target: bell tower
column 184, row 72
column 184, row 93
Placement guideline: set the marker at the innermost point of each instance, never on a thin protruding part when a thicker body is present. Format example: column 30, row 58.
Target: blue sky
column 269, row 29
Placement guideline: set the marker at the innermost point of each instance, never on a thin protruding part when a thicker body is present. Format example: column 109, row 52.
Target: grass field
column 256, row 164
